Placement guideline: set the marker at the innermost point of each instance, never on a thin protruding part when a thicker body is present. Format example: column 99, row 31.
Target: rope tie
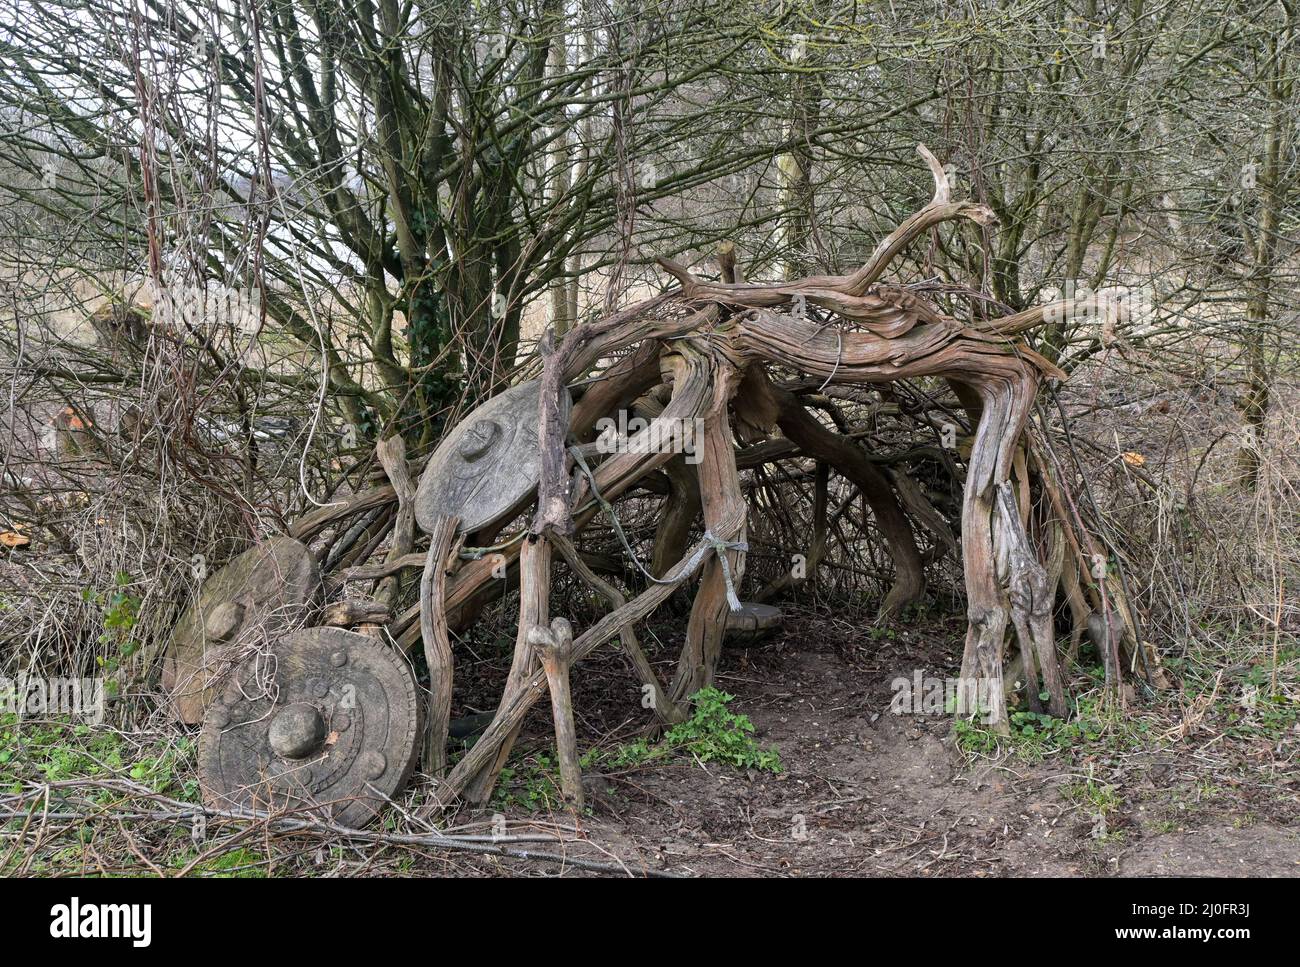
column 476, row 553
column 709, row 543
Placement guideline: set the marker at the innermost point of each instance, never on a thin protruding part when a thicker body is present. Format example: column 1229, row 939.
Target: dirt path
column 865, row 791
column 1199, row 782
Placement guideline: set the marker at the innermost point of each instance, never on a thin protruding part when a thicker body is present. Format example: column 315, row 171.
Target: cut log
column 354, row 611
column 753, row 622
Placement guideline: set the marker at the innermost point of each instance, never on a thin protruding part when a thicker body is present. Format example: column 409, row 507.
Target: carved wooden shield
column 486, row 465
column 327, row 721
column 258, row 595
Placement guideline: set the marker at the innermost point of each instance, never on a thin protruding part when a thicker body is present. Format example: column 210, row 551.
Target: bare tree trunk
column 1263, row 250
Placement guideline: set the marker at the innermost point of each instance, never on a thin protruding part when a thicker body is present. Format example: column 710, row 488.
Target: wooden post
column 555, row 649
column 515, row 706
column 1031, row 597
column 720, row 495
column 437, row 644
column 534, row 608
column 664, row 707
column 392, row 454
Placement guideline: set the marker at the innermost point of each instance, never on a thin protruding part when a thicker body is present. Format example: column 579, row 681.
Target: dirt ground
column 865, row 791
column 1191, row 782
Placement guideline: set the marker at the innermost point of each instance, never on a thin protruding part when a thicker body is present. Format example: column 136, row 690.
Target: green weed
column 713, row 733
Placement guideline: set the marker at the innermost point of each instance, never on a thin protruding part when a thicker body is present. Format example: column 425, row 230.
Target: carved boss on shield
column 486, row 466
column 256, row 596
column 327, row 722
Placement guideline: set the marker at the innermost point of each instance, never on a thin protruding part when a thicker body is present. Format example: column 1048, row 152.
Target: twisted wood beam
column 710, row 334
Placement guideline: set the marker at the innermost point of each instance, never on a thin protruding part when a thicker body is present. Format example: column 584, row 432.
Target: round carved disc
column 487, row 464
column 752, row 621
column 260, row 593
column 328, row 721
